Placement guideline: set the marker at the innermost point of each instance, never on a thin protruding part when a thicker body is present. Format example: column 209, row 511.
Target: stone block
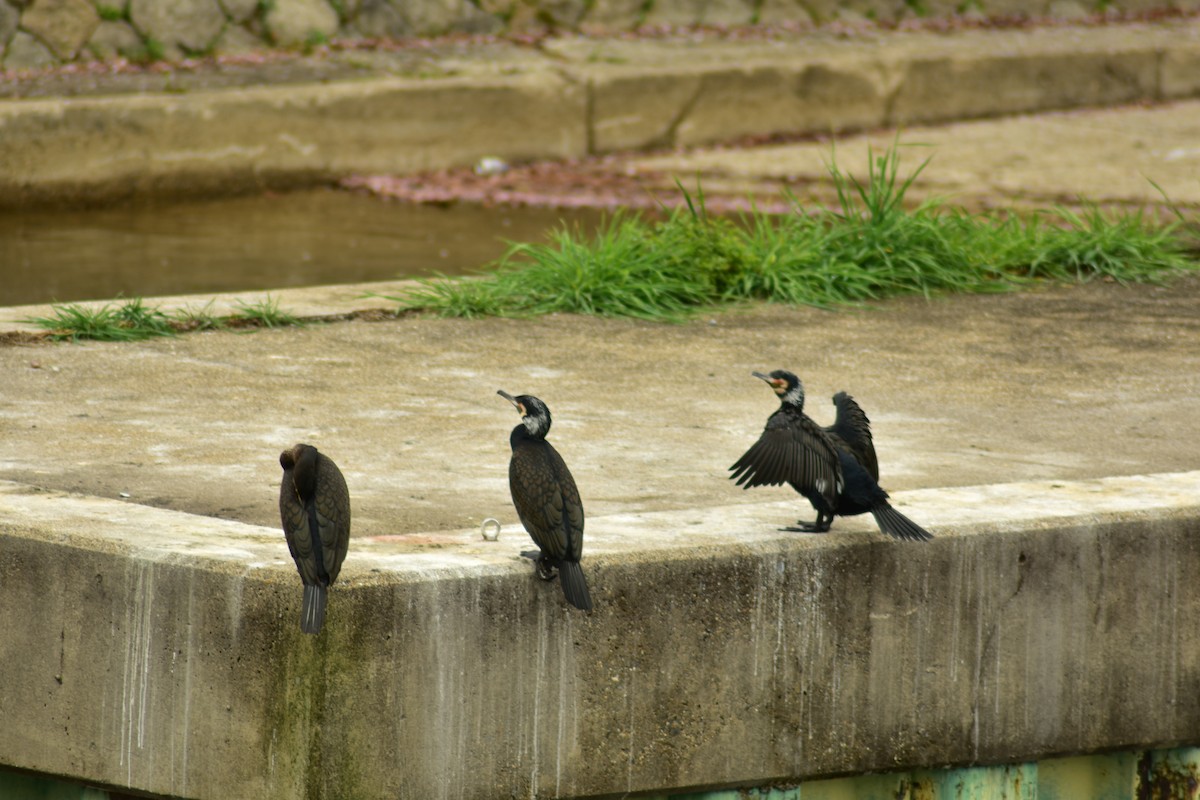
column 236, row 39
column 821, row 11
column 476, row 21
column 526, row 18
column 114, row 38
column 1180, row 74
column 239, row 10
column 676, row 12
column 431, row 17
column 613, row 15
column 63, row 25
column 1138, row 6
column 773, row 12
column 871, row 10
column 768, row 99
column 1020, row 9
column 1068, row 9
column 500, row 8
column 26, row 52
column 293, row 22
column 635, row 110
column 728, row 12
column 563, row 13
column 9, row 17
column 377, row 19
column 958, row 87
column 190, row 24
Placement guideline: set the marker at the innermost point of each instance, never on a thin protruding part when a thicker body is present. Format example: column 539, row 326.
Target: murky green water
column 265, row 242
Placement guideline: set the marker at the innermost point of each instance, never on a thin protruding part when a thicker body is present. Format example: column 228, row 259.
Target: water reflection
column 265, row 242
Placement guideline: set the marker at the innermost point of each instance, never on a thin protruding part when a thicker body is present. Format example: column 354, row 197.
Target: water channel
column 314, row 237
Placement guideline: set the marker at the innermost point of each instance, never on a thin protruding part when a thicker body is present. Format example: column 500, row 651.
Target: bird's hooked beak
column 520, row 408
column 775, row 383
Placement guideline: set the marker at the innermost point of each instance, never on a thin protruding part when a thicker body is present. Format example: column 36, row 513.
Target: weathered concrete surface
column 382, row 112
column 1045, row 619
column 964, row 390
column 1105, row 156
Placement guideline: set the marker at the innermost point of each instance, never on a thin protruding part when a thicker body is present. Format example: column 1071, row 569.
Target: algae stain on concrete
column 302, row 747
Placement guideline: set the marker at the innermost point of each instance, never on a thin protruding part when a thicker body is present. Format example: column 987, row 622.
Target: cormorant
column 546, row 499
column 834, row 468
column 315, row 507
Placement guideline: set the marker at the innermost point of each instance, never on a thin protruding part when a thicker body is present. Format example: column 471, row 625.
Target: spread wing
column 854, row 430
column 795, row 450
column 547, row 500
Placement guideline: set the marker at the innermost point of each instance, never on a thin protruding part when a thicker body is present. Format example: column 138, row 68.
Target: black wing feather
column 794, row 450
column 853, row 429
column 547, row 500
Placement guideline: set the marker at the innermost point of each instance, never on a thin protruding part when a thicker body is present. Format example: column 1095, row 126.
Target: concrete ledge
column 1045, row 619
column 573, row 97
column 305, row 303
column 231, row 140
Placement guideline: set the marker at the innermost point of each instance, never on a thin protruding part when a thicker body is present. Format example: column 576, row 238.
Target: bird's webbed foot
column 821, row 525
column 546, row 570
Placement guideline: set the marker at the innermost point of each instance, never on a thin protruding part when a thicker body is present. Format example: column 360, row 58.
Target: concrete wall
column 41, row 33
column 159, row 651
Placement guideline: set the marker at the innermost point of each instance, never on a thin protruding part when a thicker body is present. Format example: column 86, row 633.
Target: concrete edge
column 158, row 534
column 305, row 303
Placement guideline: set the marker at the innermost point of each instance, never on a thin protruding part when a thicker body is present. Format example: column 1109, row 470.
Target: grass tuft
column 188, row 319
column 873, row 244
column 133, row 320
column 130, row 321
column 264, row 313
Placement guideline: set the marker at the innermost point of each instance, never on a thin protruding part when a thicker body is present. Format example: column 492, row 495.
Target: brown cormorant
column 315, row 507
column 546, row 499
column 834, row 468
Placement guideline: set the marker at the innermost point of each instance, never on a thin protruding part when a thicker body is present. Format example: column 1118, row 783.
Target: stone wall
column 43, row 33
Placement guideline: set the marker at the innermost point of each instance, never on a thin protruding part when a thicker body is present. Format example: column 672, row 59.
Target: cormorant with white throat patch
column 834, row 468
column 547, row 500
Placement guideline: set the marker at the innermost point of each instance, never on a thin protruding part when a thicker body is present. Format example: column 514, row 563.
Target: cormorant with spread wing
column 834, row 468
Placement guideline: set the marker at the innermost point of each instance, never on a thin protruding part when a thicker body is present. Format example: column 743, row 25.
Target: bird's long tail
column 893, row 523
column 574, row 587
column 312, row 609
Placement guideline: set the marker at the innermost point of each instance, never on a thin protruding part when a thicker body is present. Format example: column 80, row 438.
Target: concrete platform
column 1046, row 438
column 961, row 391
